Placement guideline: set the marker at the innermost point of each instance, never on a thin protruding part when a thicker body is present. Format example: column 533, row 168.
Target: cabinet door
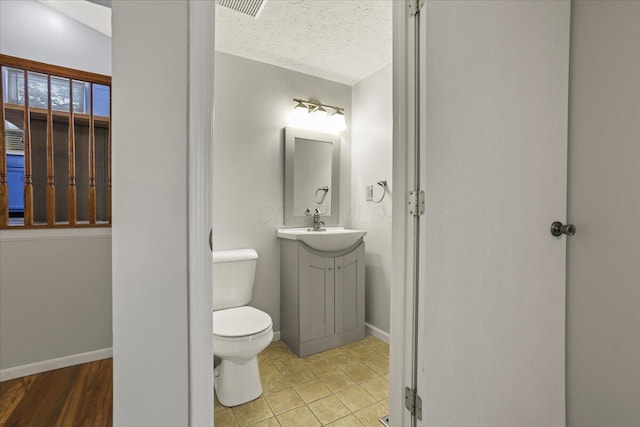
column 316, row 294
column 350, row 290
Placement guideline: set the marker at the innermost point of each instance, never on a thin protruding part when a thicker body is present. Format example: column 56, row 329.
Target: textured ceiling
column 339, row 40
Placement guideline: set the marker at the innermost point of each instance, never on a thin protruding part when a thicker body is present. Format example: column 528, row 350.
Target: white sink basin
column 332, row 239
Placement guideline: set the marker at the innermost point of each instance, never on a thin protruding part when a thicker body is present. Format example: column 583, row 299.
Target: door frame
column 201, row 27
column 403, row 227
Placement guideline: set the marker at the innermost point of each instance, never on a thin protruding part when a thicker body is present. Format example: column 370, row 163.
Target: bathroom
column 253, row 105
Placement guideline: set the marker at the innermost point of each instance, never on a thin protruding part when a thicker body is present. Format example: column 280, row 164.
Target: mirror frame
column 290, row 135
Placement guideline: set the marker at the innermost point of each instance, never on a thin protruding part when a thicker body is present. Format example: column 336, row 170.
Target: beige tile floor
column 345, row 386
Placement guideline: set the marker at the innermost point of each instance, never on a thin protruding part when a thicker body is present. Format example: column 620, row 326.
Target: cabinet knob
column 339, row 267
column 330, row 268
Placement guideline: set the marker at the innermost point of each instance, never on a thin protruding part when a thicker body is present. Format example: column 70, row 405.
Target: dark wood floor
column 77, row 396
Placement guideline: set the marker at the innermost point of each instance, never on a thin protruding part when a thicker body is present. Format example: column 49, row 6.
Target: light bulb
column 299, row 116
column 337, row 122
column 318, row 119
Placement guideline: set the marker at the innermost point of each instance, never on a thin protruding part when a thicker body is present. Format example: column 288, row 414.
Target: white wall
column 31, row 30
column 150, row 300
column 55, row 286
column 371, row 153
column 603, row 311
column 253, row 101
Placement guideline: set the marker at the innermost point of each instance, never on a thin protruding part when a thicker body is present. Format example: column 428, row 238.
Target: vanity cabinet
column 321, row 297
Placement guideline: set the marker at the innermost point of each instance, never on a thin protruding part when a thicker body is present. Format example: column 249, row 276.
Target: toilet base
column 236, row 383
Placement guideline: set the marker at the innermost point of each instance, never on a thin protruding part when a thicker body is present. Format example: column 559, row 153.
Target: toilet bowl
column 240, row 332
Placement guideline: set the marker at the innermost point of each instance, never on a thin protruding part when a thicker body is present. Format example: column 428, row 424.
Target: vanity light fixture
column 313, row 116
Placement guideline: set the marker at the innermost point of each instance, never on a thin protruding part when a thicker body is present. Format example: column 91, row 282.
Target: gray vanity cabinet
column 349, row 290
column 321, row 298
column 316, row 295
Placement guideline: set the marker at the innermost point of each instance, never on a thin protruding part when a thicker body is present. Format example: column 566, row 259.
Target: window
column 55, row 146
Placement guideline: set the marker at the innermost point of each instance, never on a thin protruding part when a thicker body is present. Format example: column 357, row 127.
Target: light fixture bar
column 313, row 116
column 318, row 104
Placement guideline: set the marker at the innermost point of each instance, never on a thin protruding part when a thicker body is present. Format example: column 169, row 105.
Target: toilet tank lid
column 234, row 255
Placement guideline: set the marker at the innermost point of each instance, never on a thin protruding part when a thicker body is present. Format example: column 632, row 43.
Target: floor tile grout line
column 278, row 363
column 296, row 393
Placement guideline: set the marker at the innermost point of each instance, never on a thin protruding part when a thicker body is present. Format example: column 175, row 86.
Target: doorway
column 253, row 101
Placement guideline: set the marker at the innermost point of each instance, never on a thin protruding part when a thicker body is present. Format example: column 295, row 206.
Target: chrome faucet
column 316, row 220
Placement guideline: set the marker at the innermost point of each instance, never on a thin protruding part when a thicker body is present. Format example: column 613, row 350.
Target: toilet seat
column 240, row 322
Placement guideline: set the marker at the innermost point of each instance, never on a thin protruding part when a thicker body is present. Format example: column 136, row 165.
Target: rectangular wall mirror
column 311, row 177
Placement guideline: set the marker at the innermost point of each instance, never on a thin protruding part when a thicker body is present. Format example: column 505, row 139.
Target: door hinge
column 416, row 202
column 413, row 402
column 415, row 6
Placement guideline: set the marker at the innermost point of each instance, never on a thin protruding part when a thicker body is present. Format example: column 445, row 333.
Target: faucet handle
column 317, row 211
column 307, row 212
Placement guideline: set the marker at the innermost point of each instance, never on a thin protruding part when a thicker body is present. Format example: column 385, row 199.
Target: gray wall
column 31, row 30
column 253, row 101
column 372, row 137
column 55, row 287
column 55, row 295
column 603, row 313
column 150, row 313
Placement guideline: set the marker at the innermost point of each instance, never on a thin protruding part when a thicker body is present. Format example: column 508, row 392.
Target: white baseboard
column 378, row 333
column 66, row 361
column 51, row 364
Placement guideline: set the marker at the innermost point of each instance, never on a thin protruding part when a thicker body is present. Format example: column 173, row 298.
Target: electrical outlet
column 369, row 193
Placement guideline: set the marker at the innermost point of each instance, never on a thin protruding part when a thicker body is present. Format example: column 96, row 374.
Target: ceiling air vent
column 249, row 7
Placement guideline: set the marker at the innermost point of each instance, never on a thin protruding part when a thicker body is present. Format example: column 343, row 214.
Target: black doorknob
column 557, row 229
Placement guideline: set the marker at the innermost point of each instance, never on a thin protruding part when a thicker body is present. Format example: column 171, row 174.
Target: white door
column 493, row 163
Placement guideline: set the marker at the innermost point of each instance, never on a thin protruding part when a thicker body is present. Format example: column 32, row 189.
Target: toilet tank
column 233, row 274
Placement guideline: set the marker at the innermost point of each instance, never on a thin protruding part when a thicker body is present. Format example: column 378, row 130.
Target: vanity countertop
column 328, row 239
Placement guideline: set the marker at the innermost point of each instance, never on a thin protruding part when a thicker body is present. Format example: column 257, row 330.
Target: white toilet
column 239, row 332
